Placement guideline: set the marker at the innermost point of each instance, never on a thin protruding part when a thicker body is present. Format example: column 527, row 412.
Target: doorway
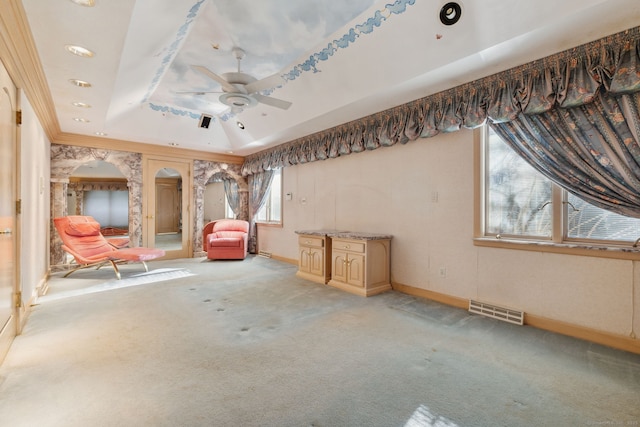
column 167, row 195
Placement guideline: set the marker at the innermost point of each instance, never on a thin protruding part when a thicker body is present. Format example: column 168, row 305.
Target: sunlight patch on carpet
column 423, row 417
column 153, row 276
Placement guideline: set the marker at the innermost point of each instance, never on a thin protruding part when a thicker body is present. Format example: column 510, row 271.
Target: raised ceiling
column 336, row 61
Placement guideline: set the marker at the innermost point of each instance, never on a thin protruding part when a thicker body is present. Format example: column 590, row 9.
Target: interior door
column 8, row 173
column 167, row 205
column 167, row 210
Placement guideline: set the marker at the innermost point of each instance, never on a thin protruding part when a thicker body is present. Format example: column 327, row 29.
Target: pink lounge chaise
column 226, row 239
column 81, row 238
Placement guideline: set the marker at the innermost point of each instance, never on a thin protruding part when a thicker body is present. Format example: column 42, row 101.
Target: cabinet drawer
column 348, row 245
column 317, row 242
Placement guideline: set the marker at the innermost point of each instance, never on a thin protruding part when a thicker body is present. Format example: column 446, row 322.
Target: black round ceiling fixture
column 450, row 13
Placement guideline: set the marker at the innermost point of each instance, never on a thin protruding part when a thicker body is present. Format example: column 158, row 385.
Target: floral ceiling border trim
column 350, row 37
column 173, row 48
column 566, row 79
column 367, row 27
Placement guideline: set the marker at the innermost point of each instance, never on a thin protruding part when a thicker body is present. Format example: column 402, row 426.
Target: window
column 271, row 212
column 228, row 212
column 520, row 203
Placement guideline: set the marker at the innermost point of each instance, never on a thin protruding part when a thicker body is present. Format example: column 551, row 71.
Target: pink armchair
column 226, row 239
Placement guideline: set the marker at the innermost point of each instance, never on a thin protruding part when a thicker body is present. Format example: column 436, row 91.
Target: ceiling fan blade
column 264, row 84
column 274, row 102
column 196, row 92
column 225, row 84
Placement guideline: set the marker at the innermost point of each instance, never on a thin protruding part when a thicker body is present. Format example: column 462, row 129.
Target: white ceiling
column 380, row 54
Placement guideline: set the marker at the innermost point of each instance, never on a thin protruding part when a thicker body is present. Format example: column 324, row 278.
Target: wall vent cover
column 496, row 312
column 264, row 254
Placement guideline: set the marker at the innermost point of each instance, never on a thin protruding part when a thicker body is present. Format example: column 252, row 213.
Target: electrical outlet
column 443, row 272
column 434, row 197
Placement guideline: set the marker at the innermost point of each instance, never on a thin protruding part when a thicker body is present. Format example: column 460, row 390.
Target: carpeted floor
column 246, row 343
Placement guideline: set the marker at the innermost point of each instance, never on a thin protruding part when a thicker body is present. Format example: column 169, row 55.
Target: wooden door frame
column 17, row 314
column 151, row 164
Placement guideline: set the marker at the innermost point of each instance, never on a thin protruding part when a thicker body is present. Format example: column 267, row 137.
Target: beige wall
column 214, row 201
column 34, row 192
column 422, row 194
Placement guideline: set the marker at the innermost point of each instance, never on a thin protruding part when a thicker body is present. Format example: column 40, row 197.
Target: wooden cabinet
column 313, row 257
column 360, row 263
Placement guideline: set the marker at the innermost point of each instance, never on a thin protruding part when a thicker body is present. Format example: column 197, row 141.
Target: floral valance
column 568, row 79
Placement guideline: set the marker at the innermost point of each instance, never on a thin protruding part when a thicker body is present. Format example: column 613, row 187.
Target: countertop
column 354, row 235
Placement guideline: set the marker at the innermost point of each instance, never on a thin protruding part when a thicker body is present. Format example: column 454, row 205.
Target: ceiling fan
column 241, row 90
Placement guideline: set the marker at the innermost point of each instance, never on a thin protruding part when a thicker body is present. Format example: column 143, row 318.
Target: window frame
column 228, row 210
column 267, row 205
column 559, row 241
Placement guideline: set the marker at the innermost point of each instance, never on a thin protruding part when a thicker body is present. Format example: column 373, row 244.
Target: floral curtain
column 233, row 196
column 259, row 184
column 591, row 150
column 575, row 112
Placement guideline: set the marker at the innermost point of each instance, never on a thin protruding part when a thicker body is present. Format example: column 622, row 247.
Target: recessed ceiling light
column 81, row 105
column 79, row 50
column 88, row 3
column 450, row 13
column 240, row 125
column 81, row 120
column 80, row 83
column 101, row 134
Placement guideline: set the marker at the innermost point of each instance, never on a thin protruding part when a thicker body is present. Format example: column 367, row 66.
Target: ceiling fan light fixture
column 450, row 13
column 238, row 100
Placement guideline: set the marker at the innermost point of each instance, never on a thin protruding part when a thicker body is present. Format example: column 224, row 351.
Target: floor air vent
column 264, row 254
column 500, row 313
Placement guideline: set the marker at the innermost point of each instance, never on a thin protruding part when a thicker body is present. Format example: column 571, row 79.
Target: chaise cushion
column 83, row 229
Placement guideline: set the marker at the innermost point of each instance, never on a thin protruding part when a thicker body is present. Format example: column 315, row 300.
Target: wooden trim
column 283, row 259
column 269, row 224
column 82, row 180
column 609, row 339
column 620, row 342
column 431, row 295
column 145, row 149
column 20, row 57
column 561, row 248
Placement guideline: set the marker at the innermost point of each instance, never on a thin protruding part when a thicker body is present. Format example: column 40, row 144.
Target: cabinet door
column 316, row 261
column 339, row 266
column 355, row 270
column 304, row 263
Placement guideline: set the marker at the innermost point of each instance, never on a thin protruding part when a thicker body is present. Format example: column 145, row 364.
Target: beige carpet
column 246, row 343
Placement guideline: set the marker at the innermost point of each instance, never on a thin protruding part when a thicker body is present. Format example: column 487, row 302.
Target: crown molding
column 20, row 57
column 139, row 147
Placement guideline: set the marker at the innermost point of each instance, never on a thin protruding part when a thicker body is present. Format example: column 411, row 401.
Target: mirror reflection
column 168, row 210
column 100, row 190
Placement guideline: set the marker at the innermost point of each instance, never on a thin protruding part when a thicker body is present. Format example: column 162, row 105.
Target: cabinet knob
column 347, row 246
